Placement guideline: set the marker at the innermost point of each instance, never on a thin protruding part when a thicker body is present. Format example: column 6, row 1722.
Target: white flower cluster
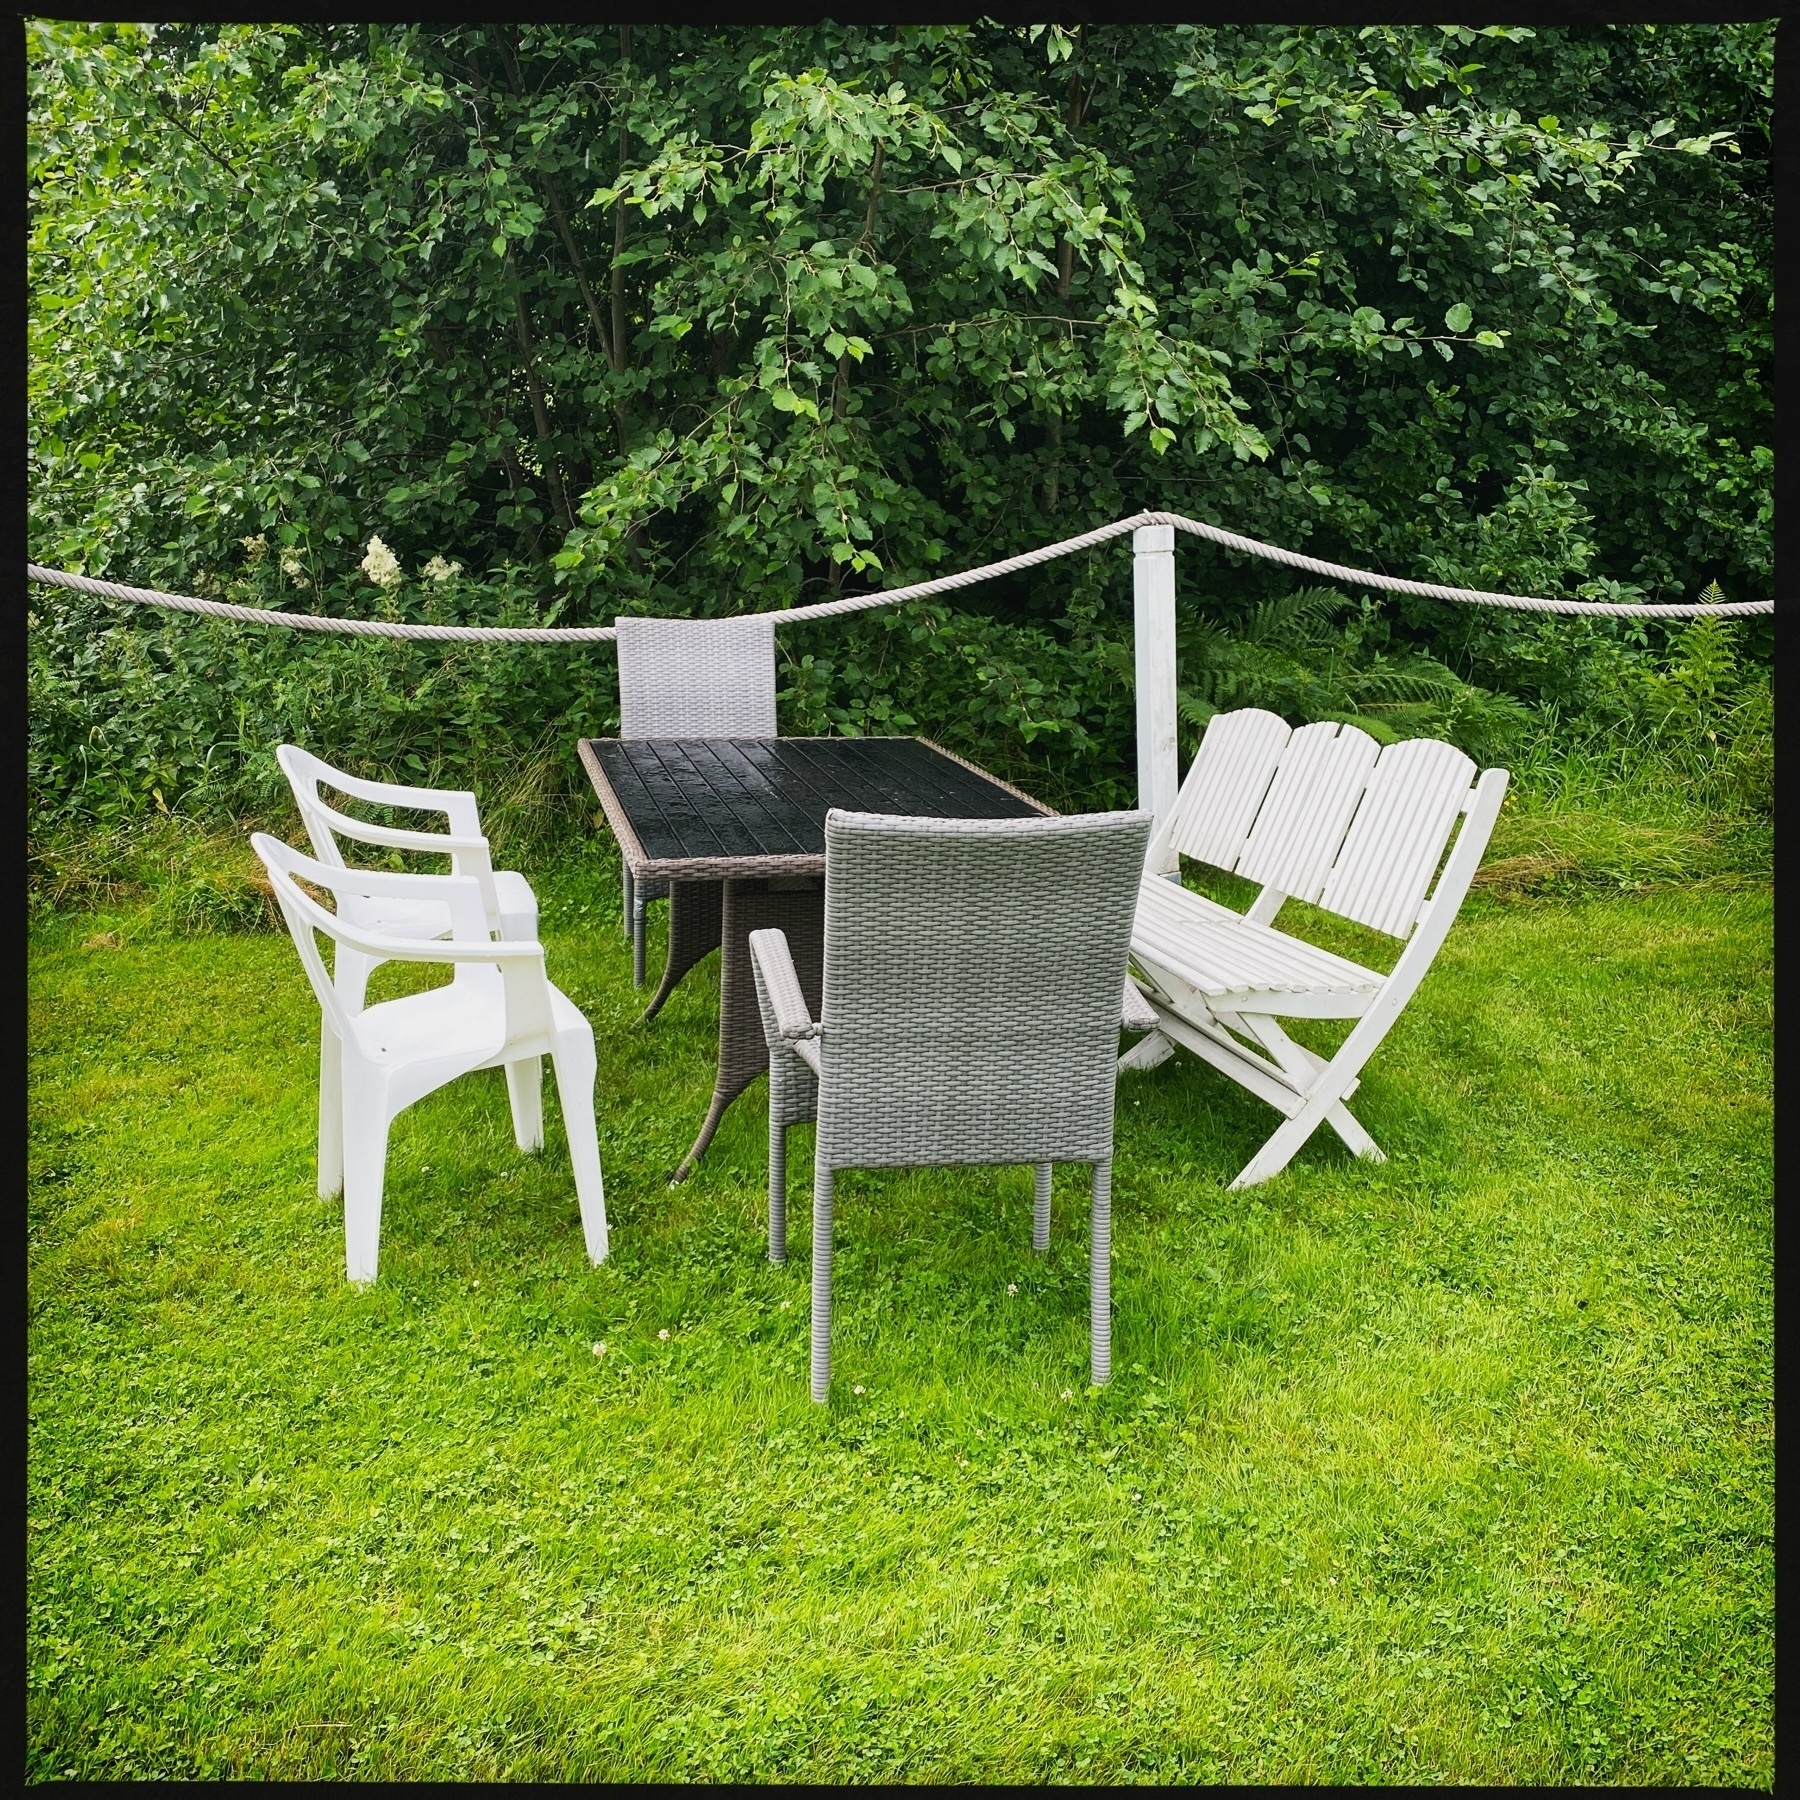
column 381, row 565
column 439, row 570
column 293, row 568
column 256, row 548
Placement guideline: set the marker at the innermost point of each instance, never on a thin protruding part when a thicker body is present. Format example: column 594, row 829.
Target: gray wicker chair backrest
column 971, row 986
column 697, row 678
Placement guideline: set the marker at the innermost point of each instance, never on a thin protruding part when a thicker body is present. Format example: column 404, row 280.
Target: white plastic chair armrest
column 457, row 804
column 769, row 951
column 516, row 905
column 363, row 831
column 440, row 950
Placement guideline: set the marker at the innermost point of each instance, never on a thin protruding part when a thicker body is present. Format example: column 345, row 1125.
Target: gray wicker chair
column 970, row 1014
column 690, row 678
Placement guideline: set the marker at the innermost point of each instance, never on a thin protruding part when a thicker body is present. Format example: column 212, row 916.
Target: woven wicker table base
column 694, row 920
column 705, row 914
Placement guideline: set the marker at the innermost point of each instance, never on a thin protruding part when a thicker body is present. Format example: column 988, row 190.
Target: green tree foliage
column 690, row 321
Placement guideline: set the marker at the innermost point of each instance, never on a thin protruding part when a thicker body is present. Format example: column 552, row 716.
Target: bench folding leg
column 1306, row 1068
column 1323, row 1105
column 1148, row 1052
column 1333, row 1082
column 1323, row 1089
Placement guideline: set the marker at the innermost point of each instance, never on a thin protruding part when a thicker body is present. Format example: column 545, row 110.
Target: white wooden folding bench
column 1325, row 815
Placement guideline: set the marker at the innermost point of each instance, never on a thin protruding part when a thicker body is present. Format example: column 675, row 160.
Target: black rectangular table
column 736, row 826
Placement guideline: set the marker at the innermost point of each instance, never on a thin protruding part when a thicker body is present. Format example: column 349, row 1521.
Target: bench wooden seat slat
column 1228, row 955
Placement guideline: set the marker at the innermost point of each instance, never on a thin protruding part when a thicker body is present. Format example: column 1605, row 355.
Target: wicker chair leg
column 777, row 1175
column 637, row 941
column 626, row 886
column 821, row 1282
column 1100, row 1278
column 1040, row 1210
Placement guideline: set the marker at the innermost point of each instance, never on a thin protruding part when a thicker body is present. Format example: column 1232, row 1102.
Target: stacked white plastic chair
column 691, row 678
column 1324, row 815
column 498, row 1011
column 970, row 1014
column 507, row 901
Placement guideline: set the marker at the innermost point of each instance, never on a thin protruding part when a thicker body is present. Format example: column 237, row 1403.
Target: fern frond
column 1418, row 678
column 1286, row 618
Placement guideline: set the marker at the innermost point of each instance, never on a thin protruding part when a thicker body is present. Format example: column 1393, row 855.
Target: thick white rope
column 263, row 615
column 919, row 590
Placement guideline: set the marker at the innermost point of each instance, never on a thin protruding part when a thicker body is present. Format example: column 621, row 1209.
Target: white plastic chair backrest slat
column 306, row 773
column 697, row 678
column 287, row 867
column 458, row 804
column 1225, row 784
column 303, row 916
column 1398, row 836
column 1308, row 808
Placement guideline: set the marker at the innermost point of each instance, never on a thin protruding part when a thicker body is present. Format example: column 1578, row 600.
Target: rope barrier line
column 919, row 590
column 262, row 615
column 1431, row 590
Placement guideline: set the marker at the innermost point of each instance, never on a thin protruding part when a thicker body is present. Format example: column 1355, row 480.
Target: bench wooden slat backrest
column 1307, row 810
column 1397, row 838
column 1323, row 814
column 1225, row 784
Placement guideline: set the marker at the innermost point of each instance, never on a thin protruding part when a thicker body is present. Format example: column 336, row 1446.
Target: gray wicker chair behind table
column 690, row 678
column 970, row 1013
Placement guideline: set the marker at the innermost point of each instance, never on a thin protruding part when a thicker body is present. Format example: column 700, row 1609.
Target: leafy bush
column 686, row 321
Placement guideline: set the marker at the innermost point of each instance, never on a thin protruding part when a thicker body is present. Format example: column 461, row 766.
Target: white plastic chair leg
column 1100, row 1279
column 575, row 1070
column 1040, row 1209
column 365, row 1172
column 525, row 1090
column 331, row 1113
column 821, row 1282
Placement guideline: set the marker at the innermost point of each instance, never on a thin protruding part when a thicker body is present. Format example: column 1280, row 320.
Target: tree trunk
column 621, row 350
column 540, row 410
column 515, row 480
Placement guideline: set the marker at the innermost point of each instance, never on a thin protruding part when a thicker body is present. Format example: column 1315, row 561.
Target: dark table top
column 704, row 808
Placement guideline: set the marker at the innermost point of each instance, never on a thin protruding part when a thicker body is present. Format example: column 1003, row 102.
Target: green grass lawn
column 1458, row 1468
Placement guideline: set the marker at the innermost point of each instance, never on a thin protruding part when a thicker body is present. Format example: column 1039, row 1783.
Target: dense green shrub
column 683, row 321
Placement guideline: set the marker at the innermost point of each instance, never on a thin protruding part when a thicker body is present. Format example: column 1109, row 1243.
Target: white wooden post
column 1153, row 589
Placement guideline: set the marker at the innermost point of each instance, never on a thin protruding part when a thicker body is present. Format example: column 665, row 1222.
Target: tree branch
column 509, row 57
column 181, row 125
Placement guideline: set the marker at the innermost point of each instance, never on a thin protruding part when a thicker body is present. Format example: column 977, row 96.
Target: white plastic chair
column 1323, row 815
column 507, row 901
column 499, row 1011
column 690, row 678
